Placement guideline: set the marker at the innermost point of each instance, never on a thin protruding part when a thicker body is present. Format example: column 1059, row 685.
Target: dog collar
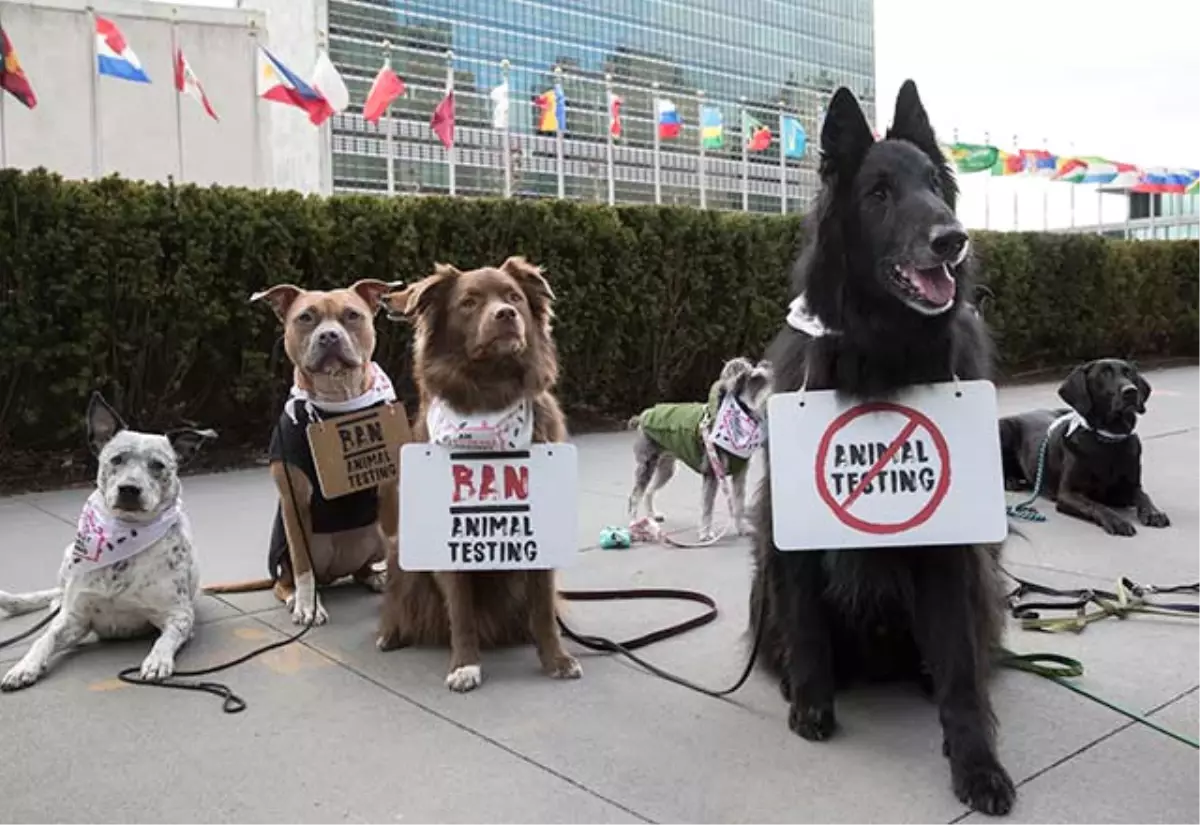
column 379, row 390
column 801, row 319
column 502, row 431
column 102, row 538
column 1075, row 421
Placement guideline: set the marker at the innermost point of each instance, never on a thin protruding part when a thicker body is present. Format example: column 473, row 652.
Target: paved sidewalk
column 336, row 731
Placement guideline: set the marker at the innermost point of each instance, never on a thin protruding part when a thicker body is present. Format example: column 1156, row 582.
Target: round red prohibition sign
column 915, row 421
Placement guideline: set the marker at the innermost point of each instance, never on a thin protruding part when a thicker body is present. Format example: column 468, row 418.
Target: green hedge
column 141, row 291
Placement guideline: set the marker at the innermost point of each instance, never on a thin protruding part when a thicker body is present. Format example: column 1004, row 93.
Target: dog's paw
column 20, row 676
column 812, row 723
column 985, row 787
column 465, row 678
column 1153, row 518
column 658, row 516
column 743, row 528
column 314, row 614
column 375, row 581
column 1117, row 526
column 157, row 666
column 565, row 666
column 706, row 534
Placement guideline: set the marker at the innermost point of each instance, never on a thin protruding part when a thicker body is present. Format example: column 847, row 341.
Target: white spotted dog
column 131, row 568
column 729, row 427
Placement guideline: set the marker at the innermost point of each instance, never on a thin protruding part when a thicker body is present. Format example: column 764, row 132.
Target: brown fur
column 329, row 374
column 465, row 355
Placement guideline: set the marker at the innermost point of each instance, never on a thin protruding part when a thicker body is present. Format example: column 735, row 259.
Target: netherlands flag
column 113, row 55
column 279, row 83
column 669, row 123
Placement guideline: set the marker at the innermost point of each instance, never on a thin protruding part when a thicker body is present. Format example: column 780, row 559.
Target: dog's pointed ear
column 1076, row 392
column 187, row 442
column 1143, row 388
column 418, row 298
column 735, row 367
column 533, row 282
column 280, row 297
column 911, row 122
column 372, row 291
column 845, row 136
column 103, row 423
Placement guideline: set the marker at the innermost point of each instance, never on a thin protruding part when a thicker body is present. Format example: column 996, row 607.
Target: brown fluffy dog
column 482, row 341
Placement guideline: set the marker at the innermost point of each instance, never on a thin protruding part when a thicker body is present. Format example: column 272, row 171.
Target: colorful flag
column 499, row 97
column 385, row 88
column 1194, row 186
column 1038, row 162
column 1008, row 163
column 1070, row 170
column 794, row 139
column 12, row 76
column 1160, row 180
column 186, row 81
column 614, row 115
column 973, row 157
column 114, row 57
column 712, row 127
column 667, row 117
column 442, row 121
column 1100, row 170
column 278, row 83
column 553, row 106
column 329, row 84
column 757, row 134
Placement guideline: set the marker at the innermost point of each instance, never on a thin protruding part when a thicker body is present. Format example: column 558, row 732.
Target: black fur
column 934, row 614
column 1092, row 470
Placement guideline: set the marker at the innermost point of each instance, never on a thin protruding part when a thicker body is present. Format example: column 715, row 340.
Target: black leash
column 25, row 634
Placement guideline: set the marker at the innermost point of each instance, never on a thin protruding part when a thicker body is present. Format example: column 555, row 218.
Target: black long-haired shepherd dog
column 886, row 275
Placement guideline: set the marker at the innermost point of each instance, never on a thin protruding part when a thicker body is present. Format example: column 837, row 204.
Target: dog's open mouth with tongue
column 928, row 290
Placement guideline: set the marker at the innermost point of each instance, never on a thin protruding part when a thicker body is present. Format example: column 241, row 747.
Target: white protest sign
column 476, row 510
column 923, row 468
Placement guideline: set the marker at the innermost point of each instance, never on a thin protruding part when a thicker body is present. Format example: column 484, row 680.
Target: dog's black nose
column 127, row 492
column 947, row 242
column 327, row 338
column 1129, row 394
column 506, row 313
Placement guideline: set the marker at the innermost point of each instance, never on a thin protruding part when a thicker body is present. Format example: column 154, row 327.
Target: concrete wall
column 256, row 142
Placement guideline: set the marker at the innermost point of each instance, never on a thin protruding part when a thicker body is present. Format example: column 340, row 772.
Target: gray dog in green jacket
column 677, row 432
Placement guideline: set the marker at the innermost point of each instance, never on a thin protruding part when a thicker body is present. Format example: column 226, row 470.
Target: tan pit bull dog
column 330, row 340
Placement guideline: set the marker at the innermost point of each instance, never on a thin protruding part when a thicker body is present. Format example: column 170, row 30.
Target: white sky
column 1114, row 78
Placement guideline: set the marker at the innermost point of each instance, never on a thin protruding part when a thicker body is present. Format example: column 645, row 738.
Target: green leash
column 1059, row 669
column 1025, row 510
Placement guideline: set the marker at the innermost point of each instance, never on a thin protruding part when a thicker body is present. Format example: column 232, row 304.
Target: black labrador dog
column 1093, row 459
column 886, row 279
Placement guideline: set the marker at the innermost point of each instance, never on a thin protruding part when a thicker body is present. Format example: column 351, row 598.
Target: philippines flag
column 114, row 57
column 279, row 83
column 186, row 81
column 669, row 123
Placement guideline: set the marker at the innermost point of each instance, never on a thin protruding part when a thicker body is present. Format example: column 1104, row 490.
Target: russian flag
column 668, row 119
column 1166, row 181
column 279, row 83
column 113, row 55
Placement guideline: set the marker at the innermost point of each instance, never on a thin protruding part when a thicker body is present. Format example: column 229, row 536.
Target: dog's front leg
column 1147, row 513
column 739, row 503
column 175, row 630
column 944, row 623
column 466, row 672
column 707, row 501
column 808, row 659
column 295, row 493
column 1080, row 506
column 542, row 594
column 65, row 631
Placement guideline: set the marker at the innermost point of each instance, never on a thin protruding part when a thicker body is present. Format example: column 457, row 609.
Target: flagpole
column 612, row 181
column 987, row 189
column 1045, row 192
column 558, row 132
column 450, row 152
column 1016, row 188
column 97, row 158
column 178, row 103
column 657, row 142
column 745, row 162
column 388, row 148
column 1100, row 209
column 255, row 114
column 325, row 130
column 703, row 153
column 508, row 170
column 782, row 163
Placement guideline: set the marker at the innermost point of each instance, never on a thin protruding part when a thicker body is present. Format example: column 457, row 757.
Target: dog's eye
column 305, row 317
column 117, row 460
column 879, row 192
column 515, row 297
column 467, row 304
column 156, row 466
column 352, row 316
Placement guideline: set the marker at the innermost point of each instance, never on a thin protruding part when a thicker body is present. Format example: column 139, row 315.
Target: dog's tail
column 14, row 604
column 634, row 422
column 252, row 586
